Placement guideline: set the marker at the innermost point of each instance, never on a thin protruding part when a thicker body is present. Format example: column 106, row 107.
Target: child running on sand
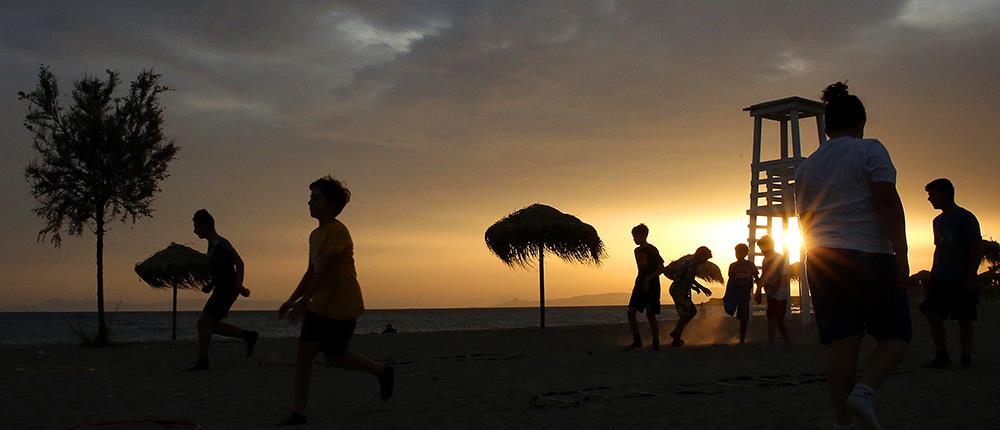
column 742, row 275
column 683, row 271
column 646, row 291
column 774, row 281
column 226, row 270
column 328, row 298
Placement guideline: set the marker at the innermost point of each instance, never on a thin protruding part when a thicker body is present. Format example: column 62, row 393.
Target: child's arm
column 700, row 288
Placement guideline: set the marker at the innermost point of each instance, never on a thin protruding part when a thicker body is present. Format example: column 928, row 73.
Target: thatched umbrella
column 711, row 272
column 176, row 266
column 523, row 236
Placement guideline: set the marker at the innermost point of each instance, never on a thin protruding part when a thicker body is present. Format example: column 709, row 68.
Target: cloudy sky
column 444, row 116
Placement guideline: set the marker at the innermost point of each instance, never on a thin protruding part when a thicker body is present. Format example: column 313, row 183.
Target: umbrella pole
column 541, row 283
column 173, row 317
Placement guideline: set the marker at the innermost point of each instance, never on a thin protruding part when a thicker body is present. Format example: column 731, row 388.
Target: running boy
column 226, row 270
column 328, row 298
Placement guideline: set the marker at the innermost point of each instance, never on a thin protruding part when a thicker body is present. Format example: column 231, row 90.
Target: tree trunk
column 102, row 328
column 173, row 317
column 541, row 283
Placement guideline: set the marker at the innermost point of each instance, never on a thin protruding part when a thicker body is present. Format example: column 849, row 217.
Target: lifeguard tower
column 772, row 182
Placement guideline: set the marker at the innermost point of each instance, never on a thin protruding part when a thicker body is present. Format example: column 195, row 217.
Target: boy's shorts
column 855, row 293
column 332, row 335
column 647, row 299
column 219, row 303
column 949, row 300
column 682, row 301
column 776, row 309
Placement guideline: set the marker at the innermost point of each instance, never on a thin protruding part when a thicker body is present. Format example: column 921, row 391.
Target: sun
column 793, row 241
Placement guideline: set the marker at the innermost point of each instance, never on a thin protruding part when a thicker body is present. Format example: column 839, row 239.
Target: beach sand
column 561, row 378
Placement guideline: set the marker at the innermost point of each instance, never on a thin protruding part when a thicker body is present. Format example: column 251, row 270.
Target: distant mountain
column 60, row 305
column 606, row 299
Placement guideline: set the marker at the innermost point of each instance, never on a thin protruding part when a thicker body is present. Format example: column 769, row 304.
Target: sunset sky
column 442, row 117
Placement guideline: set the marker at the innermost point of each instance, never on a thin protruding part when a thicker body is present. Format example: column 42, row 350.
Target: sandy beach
column 563, row 378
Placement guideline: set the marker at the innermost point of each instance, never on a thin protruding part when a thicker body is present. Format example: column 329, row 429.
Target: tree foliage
column 101, row 159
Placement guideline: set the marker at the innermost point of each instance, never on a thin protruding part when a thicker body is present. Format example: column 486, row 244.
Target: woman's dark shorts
column 854, row 293
column 331, row 335
column 219, row 302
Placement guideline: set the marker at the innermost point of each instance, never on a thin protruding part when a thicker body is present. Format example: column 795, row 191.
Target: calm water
column 57, row 327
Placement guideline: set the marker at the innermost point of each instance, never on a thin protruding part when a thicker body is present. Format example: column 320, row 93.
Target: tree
column 523, row 236
column 98, row 162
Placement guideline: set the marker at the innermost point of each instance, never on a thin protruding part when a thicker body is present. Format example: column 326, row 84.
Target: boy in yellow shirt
column 328, row 298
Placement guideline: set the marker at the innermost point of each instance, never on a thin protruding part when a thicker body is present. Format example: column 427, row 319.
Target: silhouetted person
column 226, row 269
column 953, row 290
column 684, row 271
column 742, row 276
column 774, row 281
column 855, row 234
column 328, row 298
column 389, row 329
column 646, row 291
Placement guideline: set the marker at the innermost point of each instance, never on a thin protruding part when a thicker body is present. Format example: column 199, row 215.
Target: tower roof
column 779, row 110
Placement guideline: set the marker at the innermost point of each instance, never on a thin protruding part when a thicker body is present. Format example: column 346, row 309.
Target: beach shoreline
column 560, row 378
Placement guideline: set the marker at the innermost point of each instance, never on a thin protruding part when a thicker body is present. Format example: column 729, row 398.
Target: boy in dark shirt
column 742, row 275
column 953, row 289
column 646, row 291
column 226, row 269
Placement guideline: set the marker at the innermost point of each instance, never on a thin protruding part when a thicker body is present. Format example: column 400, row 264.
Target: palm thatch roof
column 175, row 266
column 518, row 238
column 710, row 272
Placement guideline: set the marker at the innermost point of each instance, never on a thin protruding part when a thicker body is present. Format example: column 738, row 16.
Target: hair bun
column 833, row 91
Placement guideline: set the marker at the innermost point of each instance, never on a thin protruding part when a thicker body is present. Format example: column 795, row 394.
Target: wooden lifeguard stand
column 772, row 182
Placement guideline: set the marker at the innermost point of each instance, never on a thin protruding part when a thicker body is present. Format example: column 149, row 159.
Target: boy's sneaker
column 656, row 345
column 939, row 362
column 859, row 404
column 966, row 361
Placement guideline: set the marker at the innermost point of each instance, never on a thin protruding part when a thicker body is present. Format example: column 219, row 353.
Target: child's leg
column 634, row 326
column 783, row 327
column 654, row 329
column 303, row 373
column 743, row 330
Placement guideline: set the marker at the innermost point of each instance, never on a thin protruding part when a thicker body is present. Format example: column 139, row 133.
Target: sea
column 36, row 328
